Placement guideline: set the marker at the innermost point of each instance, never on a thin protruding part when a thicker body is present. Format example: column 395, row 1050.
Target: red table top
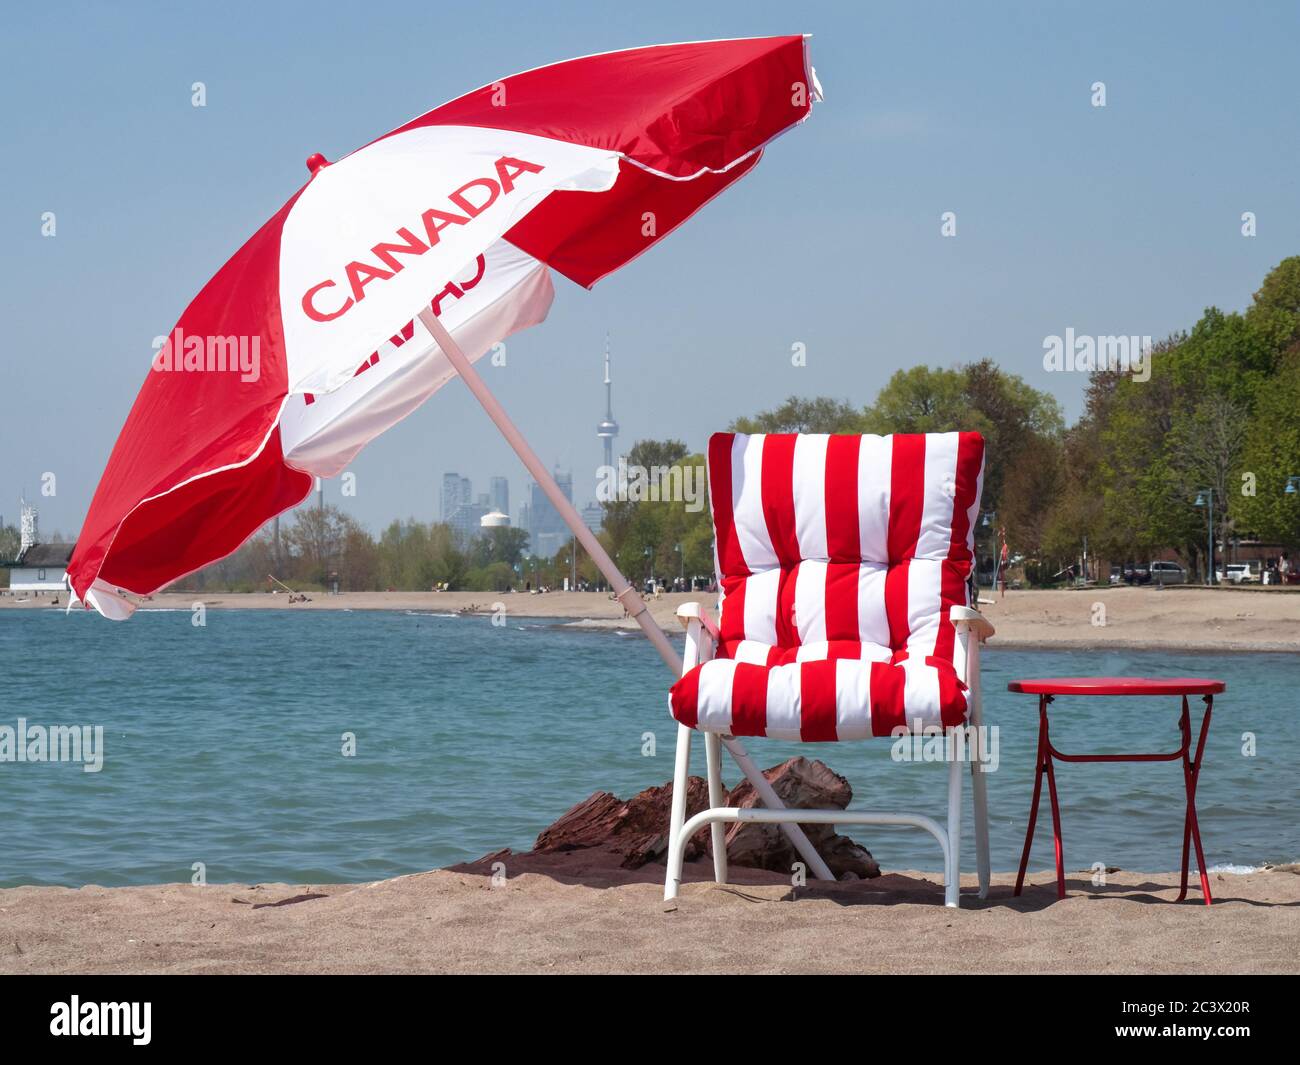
column 1117, row 686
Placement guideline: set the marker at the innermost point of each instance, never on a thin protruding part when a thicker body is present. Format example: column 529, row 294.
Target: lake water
column 223, row 745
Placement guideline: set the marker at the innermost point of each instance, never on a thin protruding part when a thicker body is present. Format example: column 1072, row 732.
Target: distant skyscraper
column 608, row 429
column 467, row 521
column 593, row 517
column 547, row 532
column 455, row 491
column 500, row 493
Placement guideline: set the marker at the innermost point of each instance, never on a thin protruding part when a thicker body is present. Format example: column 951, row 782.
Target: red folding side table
column 1048, row 688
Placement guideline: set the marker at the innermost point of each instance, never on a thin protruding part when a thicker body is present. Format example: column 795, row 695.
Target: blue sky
column 1115, row 220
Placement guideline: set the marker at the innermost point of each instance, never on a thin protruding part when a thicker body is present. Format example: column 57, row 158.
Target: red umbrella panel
column 323, row 329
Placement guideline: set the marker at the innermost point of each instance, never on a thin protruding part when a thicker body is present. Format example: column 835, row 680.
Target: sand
column 553, row 914
column 1175, row 619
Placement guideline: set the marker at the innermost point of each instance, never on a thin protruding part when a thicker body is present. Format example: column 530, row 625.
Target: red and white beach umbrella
column 396, row 267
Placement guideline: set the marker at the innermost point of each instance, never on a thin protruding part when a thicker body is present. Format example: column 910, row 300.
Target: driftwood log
column 637, row 828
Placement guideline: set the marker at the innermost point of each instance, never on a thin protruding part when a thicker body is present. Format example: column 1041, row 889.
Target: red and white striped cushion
column 839, row 558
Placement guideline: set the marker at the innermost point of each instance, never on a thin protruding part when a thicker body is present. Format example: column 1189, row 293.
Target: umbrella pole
column 623, row 590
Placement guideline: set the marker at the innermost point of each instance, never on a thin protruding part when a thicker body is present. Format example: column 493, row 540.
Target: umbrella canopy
column 395, row 267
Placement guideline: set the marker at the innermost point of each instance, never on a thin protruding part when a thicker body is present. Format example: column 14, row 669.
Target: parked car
column 1136, row 573
column 1167, row 573
column 1235, row 573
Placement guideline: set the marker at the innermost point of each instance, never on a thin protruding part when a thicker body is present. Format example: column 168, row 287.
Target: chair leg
column 978, row 784
column 717, row 798
column 676, row 845
column 952, row 873
column 979, row 799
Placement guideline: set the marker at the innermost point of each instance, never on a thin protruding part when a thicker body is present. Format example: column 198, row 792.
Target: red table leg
column 1056, row 827
column 1192, row 770
column 1043, row 768
column 1185, row 728
column 1033, row 813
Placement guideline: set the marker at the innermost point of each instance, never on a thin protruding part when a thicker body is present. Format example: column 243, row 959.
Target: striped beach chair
column 843, row 564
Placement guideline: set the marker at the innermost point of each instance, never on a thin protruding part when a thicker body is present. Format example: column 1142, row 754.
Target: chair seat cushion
column 831, row 690
column 839, row 560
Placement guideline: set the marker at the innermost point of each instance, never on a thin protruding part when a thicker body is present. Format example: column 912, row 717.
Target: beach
column 571, row 912
column 558, row 914
column 1124, row 618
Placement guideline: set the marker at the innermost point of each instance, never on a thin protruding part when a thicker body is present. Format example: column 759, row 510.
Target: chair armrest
column 701, row 635
column 963, row 617
column 688, row 612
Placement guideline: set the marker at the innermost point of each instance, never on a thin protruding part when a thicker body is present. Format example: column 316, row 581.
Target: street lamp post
column 986, row 521
column 1205, row 498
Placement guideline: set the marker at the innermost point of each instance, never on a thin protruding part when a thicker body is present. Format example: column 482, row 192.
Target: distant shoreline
column 1186, row 620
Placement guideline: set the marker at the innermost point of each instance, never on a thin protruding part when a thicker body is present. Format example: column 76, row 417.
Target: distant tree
column 494, row 577
column 642, row 535
column 501, row 544
column 798, row 415
column 358, row 567
column 1032, row 484
column 1275, row 311
column 10, row 541
column 1205, row 447
column 315, row 542
column 1021, row 427
column 924, row 400
column 650, row 454
column 1189, row 426
column 1271, row 453
column 1076, row 510
column 414, row 556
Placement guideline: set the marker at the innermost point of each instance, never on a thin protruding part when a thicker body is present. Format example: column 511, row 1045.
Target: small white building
column 40, row 568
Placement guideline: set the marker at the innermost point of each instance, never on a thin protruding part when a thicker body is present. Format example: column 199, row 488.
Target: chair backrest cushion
column 842, row 545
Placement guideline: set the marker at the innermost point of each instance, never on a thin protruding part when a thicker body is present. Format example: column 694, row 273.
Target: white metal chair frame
column 701, row 642
column 698, row 649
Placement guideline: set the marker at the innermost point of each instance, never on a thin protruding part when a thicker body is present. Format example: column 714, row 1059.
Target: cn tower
column 608, row 429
